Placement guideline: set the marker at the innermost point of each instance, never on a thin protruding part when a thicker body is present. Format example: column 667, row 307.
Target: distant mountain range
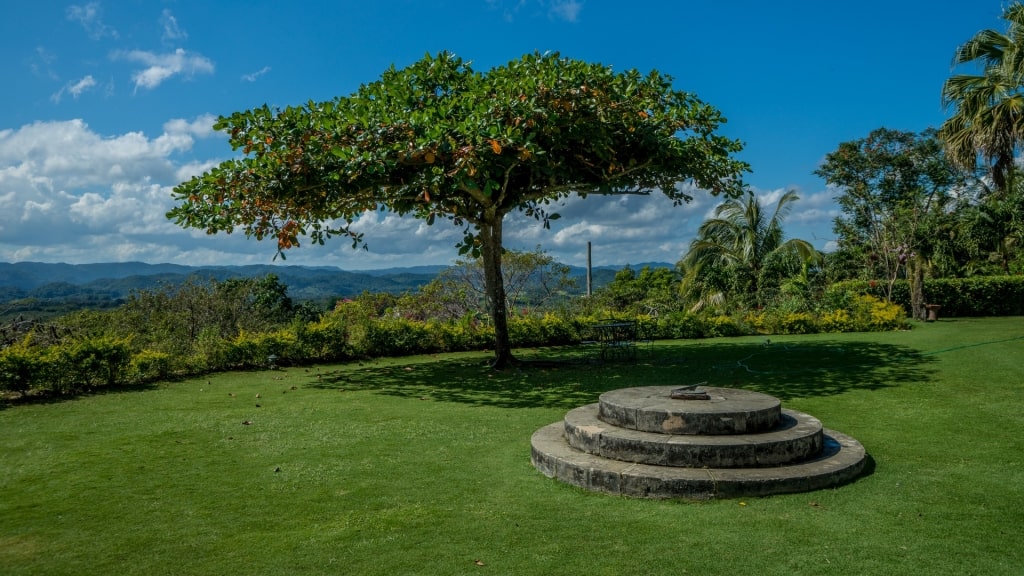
column 104, row 285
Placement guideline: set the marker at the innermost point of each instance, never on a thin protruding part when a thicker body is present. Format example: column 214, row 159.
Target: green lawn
column 421, row 466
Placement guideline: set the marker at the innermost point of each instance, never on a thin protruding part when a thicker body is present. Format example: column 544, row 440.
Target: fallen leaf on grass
column 479, row 562
column 246, row 422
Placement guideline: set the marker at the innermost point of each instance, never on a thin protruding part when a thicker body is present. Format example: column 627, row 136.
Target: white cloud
column 568, row 10
column 89, row 16
column 810, row 218
column 255, row 75
column 201, row 127
column 41, row 63
column 171, row 29
column 160, row 67
column 75, row 89
column 70, row 194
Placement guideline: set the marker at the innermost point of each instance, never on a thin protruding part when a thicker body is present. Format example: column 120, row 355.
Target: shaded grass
column 421, row 466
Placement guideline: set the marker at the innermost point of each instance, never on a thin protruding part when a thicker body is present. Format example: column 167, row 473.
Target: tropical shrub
column 20, row 366
column 150, row 365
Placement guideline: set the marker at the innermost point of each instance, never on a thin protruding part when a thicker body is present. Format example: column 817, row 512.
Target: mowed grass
column 421, row 466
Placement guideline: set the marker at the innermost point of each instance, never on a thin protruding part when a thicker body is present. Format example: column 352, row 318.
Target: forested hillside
column 41, row 290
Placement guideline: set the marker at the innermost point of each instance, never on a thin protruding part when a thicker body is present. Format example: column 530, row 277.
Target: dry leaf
column 479, row 562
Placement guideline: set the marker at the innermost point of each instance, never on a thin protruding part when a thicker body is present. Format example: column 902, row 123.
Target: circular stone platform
column 798, row 436
column 726, row 411
column 642, row 442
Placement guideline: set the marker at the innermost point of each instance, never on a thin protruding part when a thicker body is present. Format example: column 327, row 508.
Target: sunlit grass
column 421, row 466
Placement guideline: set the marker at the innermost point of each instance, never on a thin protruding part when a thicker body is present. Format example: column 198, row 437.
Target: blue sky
column 107, row 105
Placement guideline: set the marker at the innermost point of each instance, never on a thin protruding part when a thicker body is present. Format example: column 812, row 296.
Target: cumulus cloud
column 70, row 194
column 200, row 127
column 90, row 17
column 160, row 67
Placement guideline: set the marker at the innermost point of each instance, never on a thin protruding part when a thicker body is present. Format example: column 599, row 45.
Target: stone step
column 841, row 460
column 724, row 411
column 796, row 437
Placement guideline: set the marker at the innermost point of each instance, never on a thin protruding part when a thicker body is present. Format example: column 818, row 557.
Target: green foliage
column 650, row 291
column 150, row 366
column 65, row 368
column 20, row 367
column 463, row 334
column 986, row 123
column 438, row 139
column 974, row 296
column 97, row 361
column 740, row 256
column 533, row 281
column 894, row 190
column 324, row 340
column 96, row 349
column 543, row 330
column 377, row 470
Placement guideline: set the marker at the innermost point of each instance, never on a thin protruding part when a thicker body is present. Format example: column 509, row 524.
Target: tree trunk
column 917, row 292
column 494, row 286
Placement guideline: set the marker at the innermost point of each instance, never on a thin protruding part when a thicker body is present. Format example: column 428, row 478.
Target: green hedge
column 96, row 360
column 958, row 297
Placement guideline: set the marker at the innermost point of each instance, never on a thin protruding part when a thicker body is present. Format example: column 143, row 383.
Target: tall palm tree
column 988, row 108
column 740, row 238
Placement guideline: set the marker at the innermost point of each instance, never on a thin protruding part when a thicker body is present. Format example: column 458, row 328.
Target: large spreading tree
column 440, row 140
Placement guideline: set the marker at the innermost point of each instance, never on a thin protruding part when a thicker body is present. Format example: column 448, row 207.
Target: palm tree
column 737, row 242
column 988, row 108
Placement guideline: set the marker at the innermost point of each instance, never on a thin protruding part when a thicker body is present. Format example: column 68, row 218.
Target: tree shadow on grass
column 567, row 378
column 50, row 397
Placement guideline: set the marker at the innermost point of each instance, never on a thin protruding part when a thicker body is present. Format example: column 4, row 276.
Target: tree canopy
column 988, row 107
column 893, row 190
column 739, row 240
column 438, row 139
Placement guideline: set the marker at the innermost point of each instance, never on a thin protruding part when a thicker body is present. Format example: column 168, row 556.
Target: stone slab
column 726, row 411
column 797, row 437
column 841, row 460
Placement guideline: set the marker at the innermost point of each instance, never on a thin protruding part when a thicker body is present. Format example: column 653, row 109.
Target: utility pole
column 590, row 277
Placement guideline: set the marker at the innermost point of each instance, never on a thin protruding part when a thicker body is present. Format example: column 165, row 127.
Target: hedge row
column 957, row 297
column 99, row 361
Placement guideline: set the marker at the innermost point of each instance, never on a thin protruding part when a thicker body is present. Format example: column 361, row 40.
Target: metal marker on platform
column 691, row 392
